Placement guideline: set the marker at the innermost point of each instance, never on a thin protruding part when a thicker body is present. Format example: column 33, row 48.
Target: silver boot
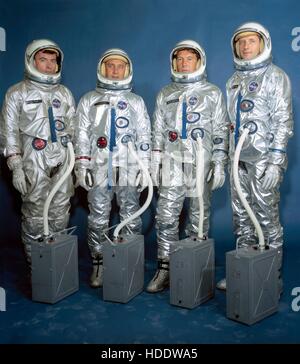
column 96, row 279
column 160, row 281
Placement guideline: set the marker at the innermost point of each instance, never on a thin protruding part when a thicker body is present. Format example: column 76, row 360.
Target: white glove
column 19, row 181
column 141, row 181
column 155, row 168
column 83, row 178
column 272, row 176
column 15, row 164
column 218, row 175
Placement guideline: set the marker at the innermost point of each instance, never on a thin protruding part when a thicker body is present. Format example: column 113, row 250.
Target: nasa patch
column 56, row 103
column 253, row 85
column 122, row 105
column 193, row 100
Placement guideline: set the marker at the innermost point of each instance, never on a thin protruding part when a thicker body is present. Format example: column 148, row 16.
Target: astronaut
column 38, row 114
column 106, row 120
column 186, row 109
column 259, row 98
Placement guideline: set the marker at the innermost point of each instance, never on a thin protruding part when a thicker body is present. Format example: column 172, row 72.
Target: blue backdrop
column 147, row 30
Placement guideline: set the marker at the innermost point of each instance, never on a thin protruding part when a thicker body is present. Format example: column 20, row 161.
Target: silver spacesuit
column 259, row 98
column 38, row 115
column 188, row 108
column 106, row 120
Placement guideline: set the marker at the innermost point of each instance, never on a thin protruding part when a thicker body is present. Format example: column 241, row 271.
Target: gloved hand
column 155, row 168
column 218, row 175
column 84, row 178
column 19, row 181
column 141, row 181
column 15, row 164
column 272, row 176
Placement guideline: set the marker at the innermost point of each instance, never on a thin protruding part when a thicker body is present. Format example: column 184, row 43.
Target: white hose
column 200, row 184
column 149, row 197
column 239, row 189
column 56, row 187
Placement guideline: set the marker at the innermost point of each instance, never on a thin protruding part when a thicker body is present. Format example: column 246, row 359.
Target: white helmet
column 201, row 65
column 103, row 81
column 31, row 71
column 265, row 55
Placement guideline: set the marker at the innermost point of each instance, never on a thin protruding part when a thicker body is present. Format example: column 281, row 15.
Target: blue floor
column 85, row 318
